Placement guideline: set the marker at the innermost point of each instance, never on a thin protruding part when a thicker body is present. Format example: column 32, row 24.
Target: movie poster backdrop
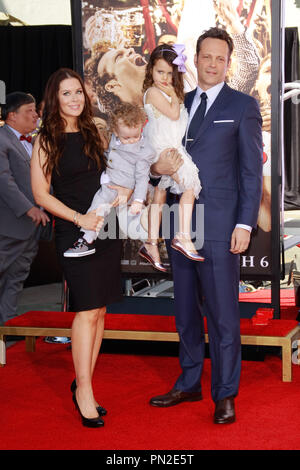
column 117, row 38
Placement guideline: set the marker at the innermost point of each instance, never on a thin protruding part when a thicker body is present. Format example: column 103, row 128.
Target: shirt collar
column 212, row 92
column 118, row 142
column 17, row 133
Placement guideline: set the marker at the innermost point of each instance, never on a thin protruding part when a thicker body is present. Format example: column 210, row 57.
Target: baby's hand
column 123, row 195
column 136, row 207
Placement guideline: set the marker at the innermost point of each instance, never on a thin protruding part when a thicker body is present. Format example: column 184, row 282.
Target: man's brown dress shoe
column 224, row 411
column 174, row 397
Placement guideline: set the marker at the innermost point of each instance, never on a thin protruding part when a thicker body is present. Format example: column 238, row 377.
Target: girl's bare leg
column 186, row 206
column 154, row 221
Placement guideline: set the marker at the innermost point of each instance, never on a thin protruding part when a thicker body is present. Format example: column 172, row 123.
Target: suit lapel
column 219, row 103
column 189, row 98
column 17, row 144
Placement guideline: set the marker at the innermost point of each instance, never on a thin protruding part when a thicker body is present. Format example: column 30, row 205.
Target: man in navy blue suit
column 226, row 144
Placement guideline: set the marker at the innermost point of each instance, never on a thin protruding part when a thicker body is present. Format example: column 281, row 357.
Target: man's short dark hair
column 215, row 33
column 14, row 101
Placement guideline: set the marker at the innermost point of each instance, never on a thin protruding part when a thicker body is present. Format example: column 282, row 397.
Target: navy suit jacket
column 228, row 152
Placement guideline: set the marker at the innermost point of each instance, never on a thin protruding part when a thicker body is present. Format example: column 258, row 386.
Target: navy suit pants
column 208, row 288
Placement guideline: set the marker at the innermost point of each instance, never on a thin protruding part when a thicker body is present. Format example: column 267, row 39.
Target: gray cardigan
column 128, row 165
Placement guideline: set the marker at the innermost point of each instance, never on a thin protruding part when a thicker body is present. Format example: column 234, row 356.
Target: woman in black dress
column 68, row 155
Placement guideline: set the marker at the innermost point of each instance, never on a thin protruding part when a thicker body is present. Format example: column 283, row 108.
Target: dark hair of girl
column 165, row 52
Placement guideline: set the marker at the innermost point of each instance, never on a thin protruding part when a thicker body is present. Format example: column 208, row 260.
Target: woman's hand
column 90, row 221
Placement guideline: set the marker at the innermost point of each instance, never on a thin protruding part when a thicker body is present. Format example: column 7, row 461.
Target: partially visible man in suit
column 224, row 139
column 19, row 215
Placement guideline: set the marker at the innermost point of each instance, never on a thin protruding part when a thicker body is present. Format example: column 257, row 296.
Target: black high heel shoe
column 101, row 411
column 88, row 422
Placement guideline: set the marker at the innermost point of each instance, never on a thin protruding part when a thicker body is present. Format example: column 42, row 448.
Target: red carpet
column 120, row 321
column 37, row 410
column 287, row 296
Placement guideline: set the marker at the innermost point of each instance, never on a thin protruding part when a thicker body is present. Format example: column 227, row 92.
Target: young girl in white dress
column 166, row 127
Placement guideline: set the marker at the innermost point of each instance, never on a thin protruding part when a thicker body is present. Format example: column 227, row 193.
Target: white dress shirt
column 211, row 93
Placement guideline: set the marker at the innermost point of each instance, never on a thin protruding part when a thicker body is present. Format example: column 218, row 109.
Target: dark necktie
column 24, row 137
column 198, row 117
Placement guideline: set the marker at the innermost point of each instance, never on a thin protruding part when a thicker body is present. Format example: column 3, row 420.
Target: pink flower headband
column 180, row 59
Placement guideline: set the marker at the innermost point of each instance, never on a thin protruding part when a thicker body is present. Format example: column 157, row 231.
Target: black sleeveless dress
column 94, row 281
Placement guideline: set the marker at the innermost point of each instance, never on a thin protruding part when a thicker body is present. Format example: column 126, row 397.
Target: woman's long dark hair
column 165, row 52
column 52, row 133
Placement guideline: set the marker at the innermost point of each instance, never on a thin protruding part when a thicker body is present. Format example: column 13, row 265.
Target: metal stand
column 149, row 288
column 65, row 296
column 157, row 289
column 65, row 308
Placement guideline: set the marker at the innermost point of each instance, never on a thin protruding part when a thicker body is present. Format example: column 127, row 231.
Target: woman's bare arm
column 41, row 192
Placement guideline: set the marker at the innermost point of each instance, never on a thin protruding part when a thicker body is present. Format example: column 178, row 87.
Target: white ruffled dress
column 165, row 133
